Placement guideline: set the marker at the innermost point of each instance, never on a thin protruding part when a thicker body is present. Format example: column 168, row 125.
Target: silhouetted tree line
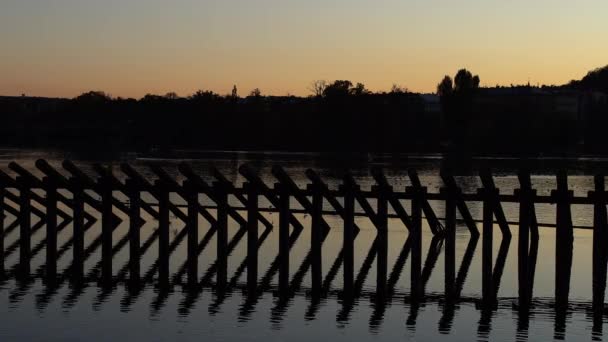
column 596, row 79
column 340, row 117
column 525, row 119
column 344, row 117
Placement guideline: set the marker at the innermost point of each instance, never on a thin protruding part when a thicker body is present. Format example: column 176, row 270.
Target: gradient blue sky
column 134, row 47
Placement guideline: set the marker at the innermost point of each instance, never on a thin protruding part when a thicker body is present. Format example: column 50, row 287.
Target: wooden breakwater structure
column 70, row 187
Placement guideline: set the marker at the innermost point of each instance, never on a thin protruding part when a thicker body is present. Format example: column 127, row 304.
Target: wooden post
column 51, row 228
column 431, row 218
column 2, row 218
column 316, row 239
column 600, row 235
column 525, row 204
column 488, row 184
column 78, row 214
column 231, row 187
column 328, row 195
column 25, row 227
column 60, row 182
column 416, row 236
column 145, row 184
column 450, row 243
column 252, row 235
column 450, row 183
column 563, row 252
column 192, row 226
column 163, row 236
column 134, row 231
column 88, row 183
column 564, row 240
column 532, row 224
column 124, row 189
column 382, row 225
column 264, row 190
column 222, row 234
column 295, row 192
column 106, row 230
column 488, row 236
column 283, row 237
column 348, row 236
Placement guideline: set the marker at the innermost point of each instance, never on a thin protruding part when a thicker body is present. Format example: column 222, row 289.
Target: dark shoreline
column 465, row 164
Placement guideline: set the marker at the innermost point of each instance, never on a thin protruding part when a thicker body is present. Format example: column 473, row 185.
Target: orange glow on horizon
column 131, row 48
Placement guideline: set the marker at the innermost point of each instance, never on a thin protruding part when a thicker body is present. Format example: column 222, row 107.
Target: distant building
column 533, row 114
column 565, row 104
column 432, row 103
column 28, row 105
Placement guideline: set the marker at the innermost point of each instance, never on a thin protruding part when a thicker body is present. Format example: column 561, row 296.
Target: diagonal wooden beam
column 265, row 191
column 183, row 192
column 450, row 183
column 349, row 181
column 434, row 224
column 118, row 185
column 328, row 195
column 149, row 187
column 296, row 192
column 488, row 183
column 231, row 188
column 381, row 180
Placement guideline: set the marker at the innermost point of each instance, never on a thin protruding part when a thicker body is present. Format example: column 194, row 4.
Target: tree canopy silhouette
column 343, row 88
column 93, row 97
column 596, row 79
column 456, row 101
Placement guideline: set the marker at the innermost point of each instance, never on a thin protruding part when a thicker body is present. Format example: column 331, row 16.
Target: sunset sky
column 132, row 47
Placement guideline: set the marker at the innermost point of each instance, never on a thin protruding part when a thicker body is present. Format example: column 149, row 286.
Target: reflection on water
column 397, row 285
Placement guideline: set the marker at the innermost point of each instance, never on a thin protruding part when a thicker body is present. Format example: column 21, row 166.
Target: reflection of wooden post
column 192, row 226
column 252, row 235
column 316, row 239
column 283, row 237
column 51, row 228
column 134, row 233
column 78, row 248
column 163, row 234
column 488, row 235
column 222, row 234
column 25, row 227
column 600, row 226
column 416, row 236
column 450, row 243
column 382, row 228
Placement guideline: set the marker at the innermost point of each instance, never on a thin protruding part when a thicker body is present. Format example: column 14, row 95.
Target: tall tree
column 318, row 87
column 457, row 102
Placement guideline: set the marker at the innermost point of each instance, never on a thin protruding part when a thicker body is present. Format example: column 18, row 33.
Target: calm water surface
column 33, row 310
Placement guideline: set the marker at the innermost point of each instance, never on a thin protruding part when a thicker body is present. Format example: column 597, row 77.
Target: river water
column 37, row 311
